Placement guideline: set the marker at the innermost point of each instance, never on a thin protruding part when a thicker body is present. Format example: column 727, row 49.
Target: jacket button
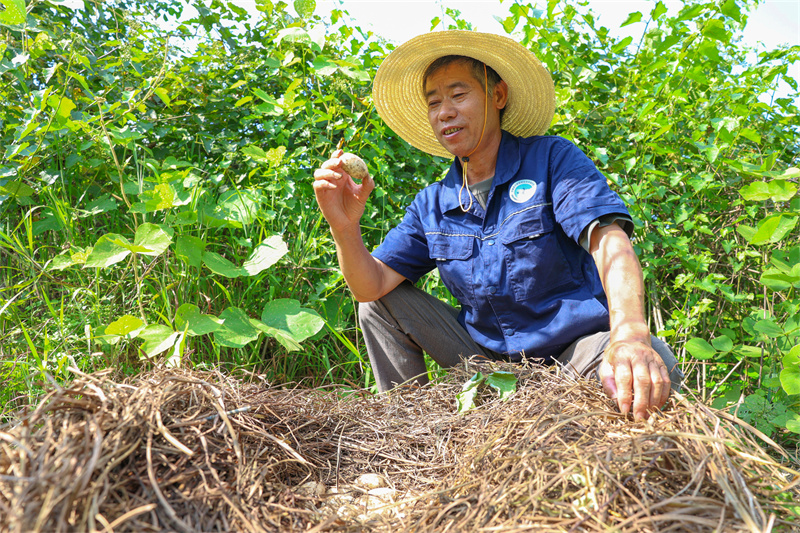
column 509, row 332
column 492, row 290
column 490, row 242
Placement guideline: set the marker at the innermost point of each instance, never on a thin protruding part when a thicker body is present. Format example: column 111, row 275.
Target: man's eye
column 433, row 103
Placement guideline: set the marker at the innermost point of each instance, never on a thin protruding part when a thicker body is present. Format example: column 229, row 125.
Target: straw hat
column 399, row 99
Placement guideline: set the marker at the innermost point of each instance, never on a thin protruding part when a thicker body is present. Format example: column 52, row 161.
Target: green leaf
column 305, row 8
column 659, row 10
column 774, row 228
column 236, row 330
column 189, row 318
column 14, row 12
column 715, row 29
column 107, row 251
column 782, row 191
column 769, row 328
column 469, row 391
column 265, row 255
column 700, row 349
column 790, row 375
column 243, row 100
column 219, row 265
column 288, row 316
column 731, row 9
column 503, row 382
column 722, row 344
column 63, row 105
column 163, row 94
column 190, row 250
column 757, row 191
column 152, row 238
column 127, row 325
column 632, row 19
column 256, row 153
column 158, row 338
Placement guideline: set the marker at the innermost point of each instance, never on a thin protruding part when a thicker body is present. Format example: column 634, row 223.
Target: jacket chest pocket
column 535, row 259
column 453, row 255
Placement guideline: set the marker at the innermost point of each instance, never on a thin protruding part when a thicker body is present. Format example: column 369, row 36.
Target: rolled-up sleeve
column 405, row 248
column 580, row 191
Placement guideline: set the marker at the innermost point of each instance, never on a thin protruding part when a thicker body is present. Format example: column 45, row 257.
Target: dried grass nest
column 202, row 451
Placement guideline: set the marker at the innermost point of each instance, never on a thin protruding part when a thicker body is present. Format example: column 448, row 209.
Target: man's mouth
column 449, row 131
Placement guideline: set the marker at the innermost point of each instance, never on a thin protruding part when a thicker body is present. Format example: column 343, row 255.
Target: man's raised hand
column 340, row 199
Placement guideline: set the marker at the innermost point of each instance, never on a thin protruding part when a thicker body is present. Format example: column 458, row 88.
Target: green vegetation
column 156, row 203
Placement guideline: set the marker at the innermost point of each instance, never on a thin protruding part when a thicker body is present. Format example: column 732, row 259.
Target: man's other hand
column 634, row 375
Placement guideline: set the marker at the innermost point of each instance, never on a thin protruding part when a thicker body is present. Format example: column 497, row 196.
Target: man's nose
column 446, row 110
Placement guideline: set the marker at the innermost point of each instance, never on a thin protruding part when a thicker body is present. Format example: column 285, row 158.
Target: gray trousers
column 405, row 324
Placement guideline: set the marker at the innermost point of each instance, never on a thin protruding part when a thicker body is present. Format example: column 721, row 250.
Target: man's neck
column 482, row 162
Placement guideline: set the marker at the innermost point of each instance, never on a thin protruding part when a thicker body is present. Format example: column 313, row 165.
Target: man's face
column 456, row 108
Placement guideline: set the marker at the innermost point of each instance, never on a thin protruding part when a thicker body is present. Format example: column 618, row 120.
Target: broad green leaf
column 731, row 9
column 782, row 191
column 749, row 351
column 190, row 250
column 288, row 316
column 240, row 206
column 293, row 35
column 158, row 338
column 107, row 251
column 189, row 318
column 282, row 337
column 700, row 349
column 62, row 105
column 503, row 382
column 237, row 85
column 265, row 255
column 104, row 204
column 757, row 191
column 152, row 238
column 14, row 12
column 722, row 344
column 163, row 94
column 715, row 29
column 256, row 153
column 774, row 228
column 790, row 375
column 219, row 265
column 236, row 330
column 125, row 325
column 60, row 262
column 243, row 100
column 469, row 391
column 305, row 8
column 659, row 10
column 769, row 328
column 633, row 18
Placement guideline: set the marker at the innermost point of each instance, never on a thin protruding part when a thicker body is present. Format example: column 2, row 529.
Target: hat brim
column 400, row 101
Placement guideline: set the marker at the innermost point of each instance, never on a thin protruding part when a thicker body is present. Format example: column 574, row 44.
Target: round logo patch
column 522, row 191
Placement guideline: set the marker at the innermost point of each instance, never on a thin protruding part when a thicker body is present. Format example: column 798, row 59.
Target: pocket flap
column 532, row 225
column 448, row 247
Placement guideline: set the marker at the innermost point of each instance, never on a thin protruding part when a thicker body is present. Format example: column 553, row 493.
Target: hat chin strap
column 465, row 159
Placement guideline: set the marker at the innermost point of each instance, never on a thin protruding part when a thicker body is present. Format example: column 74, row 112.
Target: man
column 524, row 231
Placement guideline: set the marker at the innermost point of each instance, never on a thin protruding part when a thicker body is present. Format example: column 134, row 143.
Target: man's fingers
column 667, row 384
column 624, row 382
column 326, row 174
column 642, row 385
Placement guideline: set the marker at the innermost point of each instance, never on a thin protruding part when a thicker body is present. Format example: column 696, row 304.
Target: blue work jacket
column 525, row 285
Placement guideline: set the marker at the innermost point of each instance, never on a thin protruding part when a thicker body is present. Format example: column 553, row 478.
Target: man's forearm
column 621, row 275
column 363, row 273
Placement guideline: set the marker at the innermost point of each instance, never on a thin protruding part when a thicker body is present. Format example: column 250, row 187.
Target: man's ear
column 500, row 94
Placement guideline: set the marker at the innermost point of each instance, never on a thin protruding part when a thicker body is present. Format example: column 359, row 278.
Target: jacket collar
column 508, row 162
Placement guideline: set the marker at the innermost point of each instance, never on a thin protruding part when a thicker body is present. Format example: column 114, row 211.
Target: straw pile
column 198, row 451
